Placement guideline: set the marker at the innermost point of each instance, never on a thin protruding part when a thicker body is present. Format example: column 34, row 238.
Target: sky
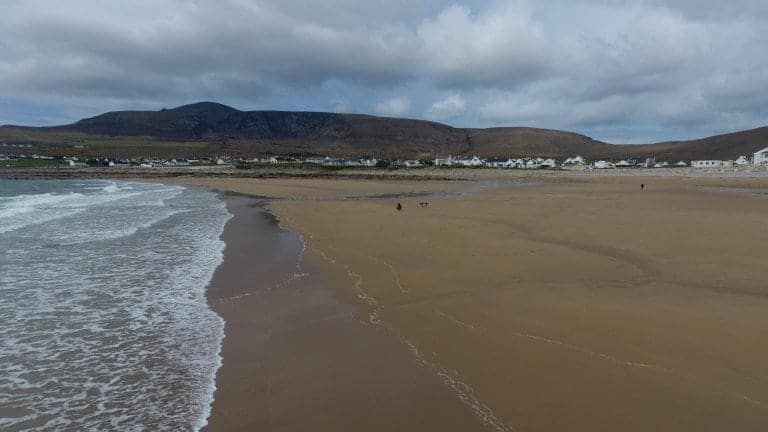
column 619, row 71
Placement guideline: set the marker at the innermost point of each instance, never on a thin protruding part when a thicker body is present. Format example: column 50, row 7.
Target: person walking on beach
column 642, row 186
column 399, row 207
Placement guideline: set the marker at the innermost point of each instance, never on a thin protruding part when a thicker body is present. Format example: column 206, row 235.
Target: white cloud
column 341, row 106
column 395, row 107
column 690, row 66
column 451, row 107
column 502, row 45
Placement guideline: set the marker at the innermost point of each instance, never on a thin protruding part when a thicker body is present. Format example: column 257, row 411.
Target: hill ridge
column 214, row 127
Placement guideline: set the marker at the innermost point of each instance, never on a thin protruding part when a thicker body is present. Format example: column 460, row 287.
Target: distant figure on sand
column 423, row 204
column 642, row 186
column 399, row 207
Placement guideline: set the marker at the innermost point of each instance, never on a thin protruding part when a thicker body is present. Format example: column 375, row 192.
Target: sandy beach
column 295, row 358
column 575, row 303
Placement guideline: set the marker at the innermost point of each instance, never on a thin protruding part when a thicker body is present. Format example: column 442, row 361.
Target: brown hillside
column 208, row 128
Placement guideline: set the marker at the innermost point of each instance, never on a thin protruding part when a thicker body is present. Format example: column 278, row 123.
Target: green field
column 30, row 163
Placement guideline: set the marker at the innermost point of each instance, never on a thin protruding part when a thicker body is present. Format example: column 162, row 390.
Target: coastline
column 294, row 356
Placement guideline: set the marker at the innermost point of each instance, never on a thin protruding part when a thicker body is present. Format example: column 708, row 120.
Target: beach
column 296, row 358
column 567, row 303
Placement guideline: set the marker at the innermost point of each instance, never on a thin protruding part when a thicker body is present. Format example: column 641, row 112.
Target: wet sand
column 297, row 359
column 573, row 305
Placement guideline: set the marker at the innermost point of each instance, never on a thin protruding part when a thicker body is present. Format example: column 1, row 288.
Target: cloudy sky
column 621, row 71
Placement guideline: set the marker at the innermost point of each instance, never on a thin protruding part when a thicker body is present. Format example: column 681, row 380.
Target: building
column 285, row 160
column 118, row 163
column 369, row 162
column 623, row 164
column 742, row 160
column 576, row 160
column 761, row 157
column 314, row 160
column 76, row 164
column 500, row 163
column 178, row 162
column 334, row 162
column 532, row 164
column 447, row 161
column 549, row 163
column 412, row 163
column 711, row 164
column 642, row 161
column 474, row 161
column 603, row 165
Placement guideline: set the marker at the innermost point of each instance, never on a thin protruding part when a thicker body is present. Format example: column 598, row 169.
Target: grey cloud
column 451, row 107
column 395, row 107
column 590, row 65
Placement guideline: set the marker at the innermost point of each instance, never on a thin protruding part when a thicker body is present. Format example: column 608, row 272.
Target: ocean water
column 104, row 323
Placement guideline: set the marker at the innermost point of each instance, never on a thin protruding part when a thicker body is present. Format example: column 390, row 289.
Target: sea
column 104, row 323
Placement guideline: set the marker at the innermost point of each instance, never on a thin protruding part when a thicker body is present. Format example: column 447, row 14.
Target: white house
column 336, row 162
column 314, row 160
column 711, row 164
column 661, row 165
column 603, row 165
column 642, row 161
column 576, row 160
column 761, row 157
column 76, row 164
column 178, row 162
column 742, row 160
column 681, row 164
column 474, row 161
column 369, row 162
column 447, row 161
column 532, row 164
column 623, row 164
column 500, row 163
column 548, row 163
column 412, row 163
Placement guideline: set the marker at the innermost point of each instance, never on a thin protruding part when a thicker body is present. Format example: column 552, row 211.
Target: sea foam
column 104, row 323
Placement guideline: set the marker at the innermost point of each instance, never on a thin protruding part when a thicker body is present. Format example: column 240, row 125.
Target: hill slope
column 726, row 146
column 208, row 128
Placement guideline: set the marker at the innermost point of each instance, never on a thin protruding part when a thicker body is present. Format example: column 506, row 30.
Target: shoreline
column 294, row 355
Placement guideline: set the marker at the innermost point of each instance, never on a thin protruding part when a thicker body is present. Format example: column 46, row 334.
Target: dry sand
column 573, row 305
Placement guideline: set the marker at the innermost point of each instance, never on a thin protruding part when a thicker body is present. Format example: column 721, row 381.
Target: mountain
column 726, row 146
column 209, row 128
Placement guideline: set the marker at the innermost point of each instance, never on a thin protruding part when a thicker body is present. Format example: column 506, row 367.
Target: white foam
column 114, row 332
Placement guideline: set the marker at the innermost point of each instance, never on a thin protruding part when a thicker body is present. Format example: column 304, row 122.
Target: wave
column 117, row 329
column 23, row 211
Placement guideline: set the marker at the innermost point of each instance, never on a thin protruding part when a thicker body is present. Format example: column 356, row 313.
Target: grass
column 29, row 163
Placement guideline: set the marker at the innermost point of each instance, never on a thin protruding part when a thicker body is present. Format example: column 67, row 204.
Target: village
column 759, row 158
